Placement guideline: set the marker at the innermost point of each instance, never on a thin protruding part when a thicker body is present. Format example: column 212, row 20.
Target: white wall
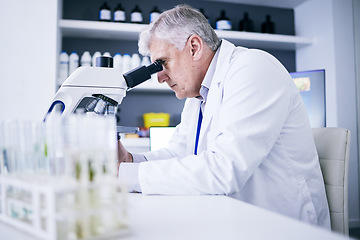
column 28, row 55
column 330, row 23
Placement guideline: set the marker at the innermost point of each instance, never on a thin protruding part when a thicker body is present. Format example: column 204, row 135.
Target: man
column 244, row 130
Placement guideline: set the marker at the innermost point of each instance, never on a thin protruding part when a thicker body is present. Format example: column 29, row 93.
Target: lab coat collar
column 209, row 76
column 205, row 85
column 214, row 96
column 225, row 52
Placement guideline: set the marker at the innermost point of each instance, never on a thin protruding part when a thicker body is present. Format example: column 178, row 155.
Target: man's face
column 178, row 71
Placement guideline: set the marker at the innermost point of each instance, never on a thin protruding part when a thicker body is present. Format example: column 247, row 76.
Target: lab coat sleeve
column 138, row 157
column 128, row 175
column 254, row 103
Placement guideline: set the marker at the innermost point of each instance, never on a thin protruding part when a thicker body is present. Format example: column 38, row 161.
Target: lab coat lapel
column 214, row 97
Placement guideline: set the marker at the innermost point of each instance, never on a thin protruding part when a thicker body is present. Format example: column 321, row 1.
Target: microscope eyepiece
column 103, row 61
column 141, row 74
column 155, row 67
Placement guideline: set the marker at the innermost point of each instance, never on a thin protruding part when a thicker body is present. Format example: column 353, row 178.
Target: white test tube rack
column 44, row 216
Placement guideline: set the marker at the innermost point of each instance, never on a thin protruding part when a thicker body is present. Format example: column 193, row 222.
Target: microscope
column 104, row 85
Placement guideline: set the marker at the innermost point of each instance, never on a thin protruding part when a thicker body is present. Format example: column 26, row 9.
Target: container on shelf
column 156, row 119
column 223, row 22
column 119, row 14
column 93, row 59
column 86, row 59
column 105, row 13
column 63, row 68
column 154, row 14
column 136, row 15
column 73, row 62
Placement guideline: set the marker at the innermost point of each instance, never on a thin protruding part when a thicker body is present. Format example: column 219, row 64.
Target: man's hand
column 123, row 155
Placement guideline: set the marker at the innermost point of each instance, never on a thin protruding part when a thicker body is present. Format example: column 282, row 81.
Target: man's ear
column 196, row 46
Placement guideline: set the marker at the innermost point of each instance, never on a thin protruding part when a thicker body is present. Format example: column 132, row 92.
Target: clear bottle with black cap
column 223, row 22
column 136, row 15
column 105, row 13
column 119, row 14
column 154, row 14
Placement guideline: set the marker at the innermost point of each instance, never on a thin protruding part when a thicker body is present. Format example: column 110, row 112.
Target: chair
column 333, row 145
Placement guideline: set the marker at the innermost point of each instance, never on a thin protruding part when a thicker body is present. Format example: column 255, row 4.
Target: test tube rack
column 56, row 208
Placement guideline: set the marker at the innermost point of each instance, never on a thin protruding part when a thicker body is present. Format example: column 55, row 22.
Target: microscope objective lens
column 91, row 105
column 100, row 107
column 110, row 110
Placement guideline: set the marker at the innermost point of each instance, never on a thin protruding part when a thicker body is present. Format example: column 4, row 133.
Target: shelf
column 130, row 31
column 264, row 40
column 105, row 30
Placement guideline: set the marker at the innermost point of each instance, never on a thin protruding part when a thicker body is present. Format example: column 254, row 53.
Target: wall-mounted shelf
column 102, row 30
column 264, row 40
column 129, row 31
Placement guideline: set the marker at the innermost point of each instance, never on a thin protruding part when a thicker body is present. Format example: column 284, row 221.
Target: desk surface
column 202, row 217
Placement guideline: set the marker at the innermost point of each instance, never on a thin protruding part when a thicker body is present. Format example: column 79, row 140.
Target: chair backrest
column 333, row 145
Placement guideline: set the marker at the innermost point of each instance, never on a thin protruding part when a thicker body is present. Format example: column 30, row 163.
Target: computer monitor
column 311, row 85
column 160, row 136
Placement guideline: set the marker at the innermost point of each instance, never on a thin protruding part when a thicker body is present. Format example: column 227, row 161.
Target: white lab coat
column 255, row 142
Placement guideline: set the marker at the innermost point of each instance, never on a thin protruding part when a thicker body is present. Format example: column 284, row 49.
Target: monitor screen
column 311, row 85
column 160, row 136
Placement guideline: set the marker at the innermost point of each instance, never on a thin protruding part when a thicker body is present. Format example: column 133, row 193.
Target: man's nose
column 162, row 77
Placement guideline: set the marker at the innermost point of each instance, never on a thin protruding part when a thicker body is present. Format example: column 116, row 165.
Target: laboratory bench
column 201, row 217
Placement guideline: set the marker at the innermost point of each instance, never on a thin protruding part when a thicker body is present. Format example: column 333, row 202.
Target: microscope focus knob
column 104, row 61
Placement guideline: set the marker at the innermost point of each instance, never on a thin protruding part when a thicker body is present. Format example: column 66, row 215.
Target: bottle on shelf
column 135, row 60
column 136, row 15
column 63, row 68
column 223, row 22
column 93, row 60
column 86, row 59
column 146, row 62
column 119, row 14
column 203, row 13
column 126, row 63
column 246, row 24
column 268, row 26
column 118, row 61
column 107, row 54
column 105, row 13
column 154, row 14
column 73, row 62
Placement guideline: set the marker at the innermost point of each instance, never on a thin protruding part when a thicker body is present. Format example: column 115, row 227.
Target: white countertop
column 156, row 217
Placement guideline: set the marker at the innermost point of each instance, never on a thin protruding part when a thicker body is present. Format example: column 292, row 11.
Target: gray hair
column 175, row 26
